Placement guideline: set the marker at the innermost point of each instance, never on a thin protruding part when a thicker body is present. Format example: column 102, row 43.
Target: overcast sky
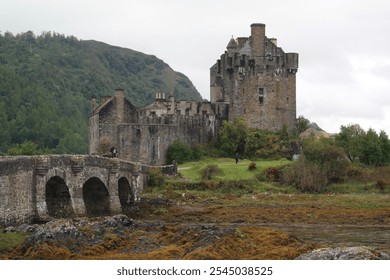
column 343, row 45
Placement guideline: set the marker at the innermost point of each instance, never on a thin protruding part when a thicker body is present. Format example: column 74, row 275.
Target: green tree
column 5, row 137
column 26, row 148
column 350, row 139
column 232, row 137
column 371, row 152
column 385, row 147
column 302, row 124
column 179, row 152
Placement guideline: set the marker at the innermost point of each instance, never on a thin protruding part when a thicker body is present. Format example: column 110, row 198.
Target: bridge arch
column 96, row 197
column 57, row 196
column 126, row 193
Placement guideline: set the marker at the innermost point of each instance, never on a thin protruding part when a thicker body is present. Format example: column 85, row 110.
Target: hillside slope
column 46, row 83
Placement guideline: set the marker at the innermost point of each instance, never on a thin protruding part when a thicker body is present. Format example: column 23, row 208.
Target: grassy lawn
column 230, row 170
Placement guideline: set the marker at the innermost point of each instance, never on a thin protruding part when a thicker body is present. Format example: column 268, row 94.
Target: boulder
column 345, row 253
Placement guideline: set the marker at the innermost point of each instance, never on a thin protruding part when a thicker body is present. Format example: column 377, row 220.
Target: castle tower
column 258, row 81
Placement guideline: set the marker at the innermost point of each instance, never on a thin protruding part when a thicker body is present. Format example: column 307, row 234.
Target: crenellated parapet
column 257, row 80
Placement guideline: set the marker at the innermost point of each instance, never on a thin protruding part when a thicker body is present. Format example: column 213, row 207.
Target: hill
column 46, row 83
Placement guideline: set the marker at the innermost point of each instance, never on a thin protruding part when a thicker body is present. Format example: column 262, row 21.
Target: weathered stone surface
column 38, row 188
column 258, row 81
column 345, row 253
column 90, row 230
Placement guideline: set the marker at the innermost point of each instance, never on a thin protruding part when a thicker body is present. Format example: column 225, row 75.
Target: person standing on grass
column 236, row 157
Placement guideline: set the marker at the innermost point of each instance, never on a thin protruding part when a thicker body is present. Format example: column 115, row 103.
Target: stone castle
column 254, row 79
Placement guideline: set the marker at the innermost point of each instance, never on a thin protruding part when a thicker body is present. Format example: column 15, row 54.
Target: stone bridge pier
column 41, row 187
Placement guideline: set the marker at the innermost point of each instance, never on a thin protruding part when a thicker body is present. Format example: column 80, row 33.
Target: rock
column 80, row 229
column 118, row 221
column 344, row 253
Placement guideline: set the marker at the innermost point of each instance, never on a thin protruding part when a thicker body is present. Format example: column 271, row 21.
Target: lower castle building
column 254, row 79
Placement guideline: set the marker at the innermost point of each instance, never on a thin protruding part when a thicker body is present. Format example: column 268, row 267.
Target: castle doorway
column 58, row 200
column 126, row 195
column 96, row 197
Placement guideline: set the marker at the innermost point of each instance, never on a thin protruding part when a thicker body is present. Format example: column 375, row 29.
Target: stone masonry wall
column 23, row 184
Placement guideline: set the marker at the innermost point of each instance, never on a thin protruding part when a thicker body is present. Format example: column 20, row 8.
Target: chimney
column 120, row 103
column 258, row 37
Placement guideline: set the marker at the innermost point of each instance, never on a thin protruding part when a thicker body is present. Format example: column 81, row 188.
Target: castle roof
column 232, row 43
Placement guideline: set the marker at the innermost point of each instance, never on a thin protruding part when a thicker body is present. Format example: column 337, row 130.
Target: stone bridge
column 35, row 188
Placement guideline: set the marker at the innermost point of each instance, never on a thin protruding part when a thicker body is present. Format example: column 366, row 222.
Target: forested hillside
column 46, row 83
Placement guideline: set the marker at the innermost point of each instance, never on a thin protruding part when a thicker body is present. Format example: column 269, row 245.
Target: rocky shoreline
column 118, row 236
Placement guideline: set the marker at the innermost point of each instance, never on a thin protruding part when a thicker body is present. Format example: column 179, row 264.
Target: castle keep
column 258, row 81
column 254, row 79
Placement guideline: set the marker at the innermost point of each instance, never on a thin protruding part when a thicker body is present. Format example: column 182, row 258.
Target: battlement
column 257, row 79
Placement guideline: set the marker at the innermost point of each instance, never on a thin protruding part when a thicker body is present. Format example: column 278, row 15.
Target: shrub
column 306, row 176
column 252, row 166
column 272, row 174
column 210, row 171
column 179, row 152
column 104, row 145
column 381, row 185
column 156, row 177
column 330, row 158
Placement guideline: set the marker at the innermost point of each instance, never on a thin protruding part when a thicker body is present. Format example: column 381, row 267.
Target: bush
column 210, row 171
column 182, row 153
column 306, row 176
column 179, row 152
column 156, row 177
column 330, row 158
column 252, row 166
column 273, row 174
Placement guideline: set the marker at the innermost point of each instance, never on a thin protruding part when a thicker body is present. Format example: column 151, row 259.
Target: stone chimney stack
column 258, row 38
column 120, row 103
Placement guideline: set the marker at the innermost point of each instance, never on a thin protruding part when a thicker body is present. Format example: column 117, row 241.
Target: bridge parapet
column 41, row 187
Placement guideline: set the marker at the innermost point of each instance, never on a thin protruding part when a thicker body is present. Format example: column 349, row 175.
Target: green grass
column 10, row 240
column 230, row 170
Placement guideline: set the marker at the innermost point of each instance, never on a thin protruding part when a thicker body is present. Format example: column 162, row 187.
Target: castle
column 254, row 79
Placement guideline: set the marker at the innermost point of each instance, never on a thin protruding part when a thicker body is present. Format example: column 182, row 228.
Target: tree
column 26, row 148
column 232, row 137
column 371, row 153
column 5, row 137
column 179, row 152
column 350, row 139
column 302, row 124
column 368, row 147
column 385, row 147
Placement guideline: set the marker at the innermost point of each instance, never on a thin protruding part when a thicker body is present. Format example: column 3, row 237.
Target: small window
column 261, row 96
column 242, row 61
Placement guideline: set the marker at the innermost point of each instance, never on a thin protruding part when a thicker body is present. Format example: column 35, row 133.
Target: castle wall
column 257, row 79
column 148, row 140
